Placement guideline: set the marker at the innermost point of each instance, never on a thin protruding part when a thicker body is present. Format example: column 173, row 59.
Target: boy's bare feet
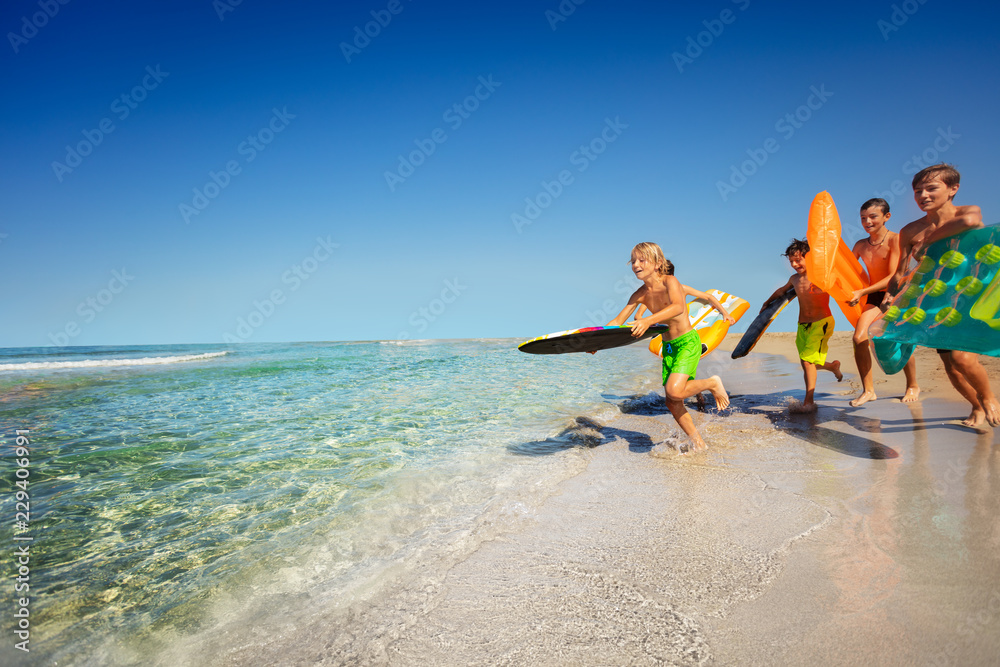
column 835, row 367
column 863, row 398
column 719, row 392
column 975, row 419
column 697, row 445
column 992, row 411
column 911, row 394
column 802, row 408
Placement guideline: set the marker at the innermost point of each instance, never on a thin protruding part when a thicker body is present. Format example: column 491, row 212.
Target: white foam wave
column 108, row 363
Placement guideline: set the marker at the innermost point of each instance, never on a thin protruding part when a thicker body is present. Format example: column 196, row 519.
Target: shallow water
column 462, row 503
column 176, row 488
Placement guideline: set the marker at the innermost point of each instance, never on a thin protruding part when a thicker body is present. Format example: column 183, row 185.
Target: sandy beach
column 850, row 536
column 930, row 370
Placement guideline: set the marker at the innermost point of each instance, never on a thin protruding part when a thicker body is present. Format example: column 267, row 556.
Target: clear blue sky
column 105, row 241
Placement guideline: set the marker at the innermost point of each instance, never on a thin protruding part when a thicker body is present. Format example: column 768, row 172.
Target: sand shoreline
column 850, row 536
column 930, row 370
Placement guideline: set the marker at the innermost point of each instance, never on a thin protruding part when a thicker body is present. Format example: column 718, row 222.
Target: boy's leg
column 967, row 364
column 811, row 340
column 680, row 364
column 809, row 372
column 912, row 389
column 962, row 386
column 833, row 367
column 686, row 423
column 863, row 356
column 679, row 386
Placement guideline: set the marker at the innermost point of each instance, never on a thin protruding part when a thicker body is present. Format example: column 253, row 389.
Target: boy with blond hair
column 815, row 322
column 880, row 253
column 663, row 295
column 934, row 190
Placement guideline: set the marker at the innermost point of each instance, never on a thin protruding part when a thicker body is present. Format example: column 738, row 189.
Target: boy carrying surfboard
column 662, row 294
column 815, row 322
column 934, row 190
column 880, row 253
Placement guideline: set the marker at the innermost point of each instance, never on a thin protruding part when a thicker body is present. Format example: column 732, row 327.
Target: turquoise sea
column 180, row 491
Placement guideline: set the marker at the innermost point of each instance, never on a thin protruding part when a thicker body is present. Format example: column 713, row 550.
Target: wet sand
column 849, row 536
column 930, row 370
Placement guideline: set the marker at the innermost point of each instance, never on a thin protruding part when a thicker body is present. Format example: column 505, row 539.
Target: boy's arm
column 970, row 218
column 905, row 247
column 777, row 294
column 690, row 291
column 633, row 302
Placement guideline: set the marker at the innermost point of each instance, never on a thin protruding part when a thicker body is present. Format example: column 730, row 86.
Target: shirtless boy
column 880, row 253
column 663, row 296
column 934, row 190
column 815, row 322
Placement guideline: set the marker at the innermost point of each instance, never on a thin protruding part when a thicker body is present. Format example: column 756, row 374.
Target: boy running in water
column 662, row 294
column 815, row 322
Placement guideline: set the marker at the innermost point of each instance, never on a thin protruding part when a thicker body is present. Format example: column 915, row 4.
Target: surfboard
column 707, row 321
column 587, row 339
column 830, row 264
column 761, row 323
column 950, row 300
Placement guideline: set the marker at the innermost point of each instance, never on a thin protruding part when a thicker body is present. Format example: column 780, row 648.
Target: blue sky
column 200, row 172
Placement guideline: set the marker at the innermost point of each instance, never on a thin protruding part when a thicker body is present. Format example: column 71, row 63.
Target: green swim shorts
column 812, row 338
column 681, row 355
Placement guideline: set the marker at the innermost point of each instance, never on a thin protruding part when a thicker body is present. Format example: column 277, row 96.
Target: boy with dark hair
column 934, row 190
column 815, row 322
column 880, row 253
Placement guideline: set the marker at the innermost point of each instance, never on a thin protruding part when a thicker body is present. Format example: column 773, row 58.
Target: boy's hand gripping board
column 761, row 323
column 707, row 321
column 830, row 264
column 949, row 301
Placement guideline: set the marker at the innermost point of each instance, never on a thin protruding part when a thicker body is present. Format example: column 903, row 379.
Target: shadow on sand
column 586, row 432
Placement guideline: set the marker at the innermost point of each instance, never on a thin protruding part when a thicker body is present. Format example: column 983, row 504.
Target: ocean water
column 179, row 492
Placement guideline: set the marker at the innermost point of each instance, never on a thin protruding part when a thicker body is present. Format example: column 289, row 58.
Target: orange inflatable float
column 830, row 264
